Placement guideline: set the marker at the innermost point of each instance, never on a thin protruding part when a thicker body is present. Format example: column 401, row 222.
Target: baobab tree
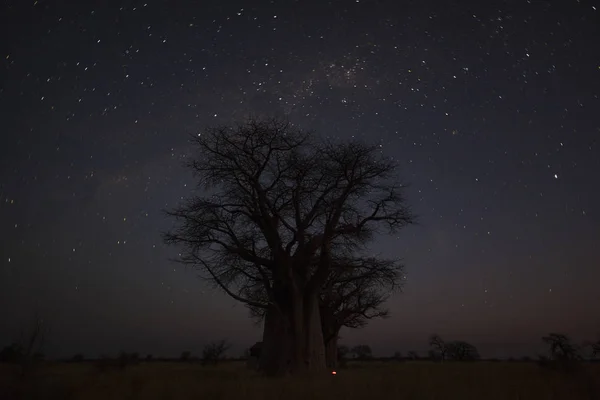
column 353, row 294
column 276, row 201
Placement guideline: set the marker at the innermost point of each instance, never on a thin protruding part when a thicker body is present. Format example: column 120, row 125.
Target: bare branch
column 282, row 210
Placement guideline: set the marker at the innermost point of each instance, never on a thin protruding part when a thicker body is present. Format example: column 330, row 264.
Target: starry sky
column 490, row 108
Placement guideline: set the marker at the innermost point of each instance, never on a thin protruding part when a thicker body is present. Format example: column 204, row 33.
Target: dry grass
column 374, row 380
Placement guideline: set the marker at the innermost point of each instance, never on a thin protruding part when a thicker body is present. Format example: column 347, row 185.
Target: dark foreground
column 373, row 380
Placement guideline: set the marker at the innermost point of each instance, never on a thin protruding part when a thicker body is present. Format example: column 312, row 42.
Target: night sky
column 491, row 108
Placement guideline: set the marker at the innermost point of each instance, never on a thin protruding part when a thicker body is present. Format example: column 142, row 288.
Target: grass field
column 372, row 380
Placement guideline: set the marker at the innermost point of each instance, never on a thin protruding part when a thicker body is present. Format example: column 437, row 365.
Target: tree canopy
column 280, row 207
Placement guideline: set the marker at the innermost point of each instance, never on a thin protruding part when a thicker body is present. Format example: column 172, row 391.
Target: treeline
column 29, row 354
column 562, row 351
column 561, row 348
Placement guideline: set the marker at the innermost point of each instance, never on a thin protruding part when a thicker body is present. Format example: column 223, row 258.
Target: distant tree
column 214, row 352
column 362, row 352
column 33, row 338
column 397, row 356
column 185, row 356
column 526, row 359
column 281, row 200
column 78, row 357
column 412, row 355
column 149, row 357
column 561, row 348
column 27, row 351
column 563, row 354
column 461, row 351
column 438, row 347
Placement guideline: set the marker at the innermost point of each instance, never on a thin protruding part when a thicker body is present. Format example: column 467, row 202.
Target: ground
column 369, row 380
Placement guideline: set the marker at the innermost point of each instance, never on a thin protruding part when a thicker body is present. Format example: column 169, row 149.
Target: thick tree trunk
column 293, row 338
column 276, row 352
column 330, row 337
column 331, row 353
column 310, row 336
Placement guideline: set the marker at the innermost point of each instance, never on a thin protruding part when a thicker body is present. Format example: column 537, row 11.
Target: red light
column 333, row 373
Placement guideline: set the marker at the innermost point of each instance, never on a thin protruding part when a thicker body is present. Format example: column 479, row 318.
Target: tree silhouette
column 594, row 348
column 561, row 348
column 214, row 352
column 457, row 350
column 33, row 338
column 281, row 201
column 461, row 351
column 28, row 349
column 438, row 347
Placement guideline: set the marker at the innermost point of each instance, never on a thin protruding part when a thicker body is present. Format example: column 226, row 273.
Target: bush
column 362, row 352
column 105, row 364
